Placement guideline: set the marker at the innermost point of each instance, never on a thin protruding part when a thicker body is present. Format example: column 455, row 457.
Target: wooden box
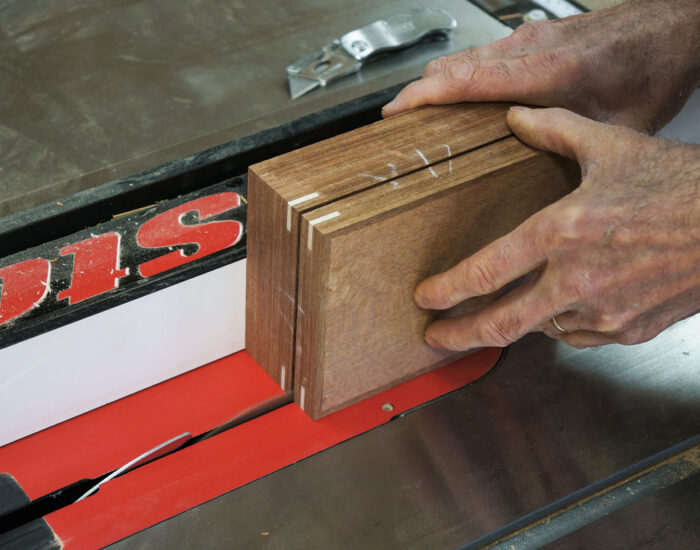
column 340, row 233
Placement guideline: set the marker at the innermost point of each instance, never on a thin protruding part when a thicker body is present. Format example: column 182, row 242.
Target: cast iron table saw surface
column 546, row 422
column 93, row 92
column 98, row 91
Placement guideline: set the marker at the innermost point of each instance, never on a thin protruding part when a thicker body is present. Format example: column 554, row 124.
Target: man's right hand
column 616, row 260
column 635, row 65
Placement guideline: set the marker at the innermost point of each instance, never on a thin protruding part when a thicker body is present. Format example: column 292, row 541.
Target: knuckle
column 495, row 332
column 555, row 112
column 478, row 276
column 531, row 31
column 435, row 66
column 499, row 68
column 461, row 71
column 564, row 63
column 573, row 224
column 618, row 322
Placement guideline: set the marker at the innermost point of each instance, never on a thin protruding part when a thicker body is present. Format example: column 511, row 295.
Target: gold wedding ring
column 557, row 325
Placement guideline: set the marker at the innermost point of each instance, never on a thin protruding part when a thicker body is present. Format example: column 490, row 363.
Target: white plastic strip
column 302, row 398
column 294, row 202
column 322, row 219
column 79, row 367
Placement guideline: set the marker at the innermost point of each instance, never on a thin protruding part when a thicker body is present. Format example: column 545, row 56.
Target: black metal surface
column 18, row 514
column 97, row 205
column 36, row 534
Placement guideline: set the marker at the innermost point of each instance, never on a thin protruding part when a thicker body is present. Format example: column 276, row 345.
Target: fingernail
column 430, row 340
column 519, row 108
column 390, row 104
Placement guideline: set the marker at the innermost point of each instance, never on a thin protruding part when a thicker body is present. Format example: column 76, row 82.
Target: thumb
column 557, row 130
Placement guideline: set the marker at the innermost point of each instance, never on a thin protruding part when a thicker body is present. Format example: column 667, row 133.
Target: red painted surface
column 106, row 438
column 95, row 267
column 229, row 460
column 24, row 285
column 167, row 229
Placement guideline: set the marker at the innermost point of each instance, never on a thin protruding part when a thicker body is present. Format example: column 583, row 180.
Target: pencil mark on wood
column 287, row 321
column 449, row 156
column 430, row 168
column 394, row 172
column 378, row 178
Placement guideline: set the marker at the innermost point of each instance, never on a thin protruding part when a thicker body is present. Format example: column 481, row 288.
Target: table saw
column 130, row 127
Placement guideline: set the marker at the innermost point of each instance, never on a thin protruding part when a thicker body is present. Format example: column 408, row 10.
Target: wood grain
column 282, row 188
column 347, row 266
column 358, row 329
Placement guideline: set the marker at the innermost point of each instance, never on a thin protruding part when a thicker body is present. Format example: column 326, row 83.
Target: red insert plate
column 106, row 438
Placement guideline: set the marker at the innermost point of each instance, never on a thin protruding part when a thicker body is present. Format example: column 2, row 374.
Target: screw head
column 359, row 46
column 388, row 407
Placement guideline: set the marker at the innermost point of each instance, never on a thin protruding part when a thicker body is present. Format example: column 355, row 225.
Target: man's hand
column 617, row 260
column 634, row 64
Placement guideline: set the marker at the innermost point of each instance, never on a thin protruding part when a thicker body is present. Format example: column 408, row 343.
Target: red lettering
column 167, row 229
column 24, row 286
column 95, row 267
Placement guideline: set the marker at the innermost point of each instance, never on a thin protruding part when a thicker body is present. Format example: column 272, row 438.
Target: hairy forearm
column 670, row 69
